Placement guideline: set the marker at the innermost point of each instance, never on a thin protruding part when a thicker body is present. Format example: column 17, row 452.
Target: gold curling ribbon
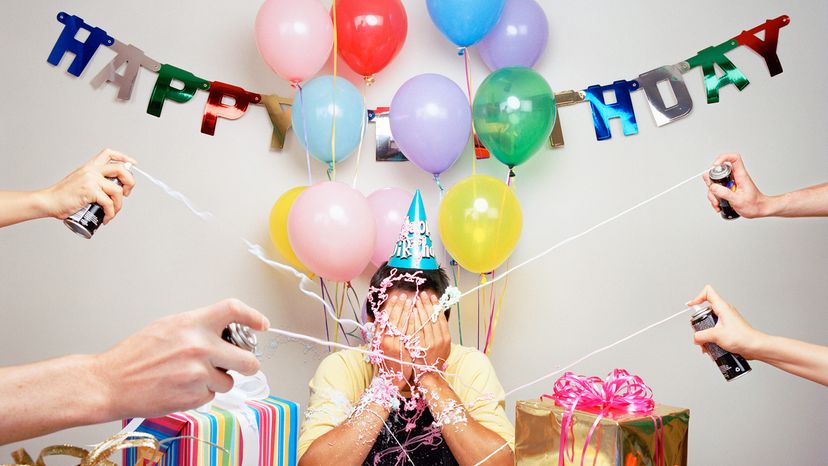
column 98, row 456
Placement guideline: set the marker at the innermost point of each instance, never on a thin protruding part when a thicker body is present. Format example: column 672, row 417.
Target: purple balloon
column 518, row 39
column 431, row 121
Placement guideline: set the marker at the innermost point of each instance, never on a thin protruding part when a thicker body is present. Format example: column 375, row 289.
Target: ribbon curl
column 96, row 457
column 621, row 391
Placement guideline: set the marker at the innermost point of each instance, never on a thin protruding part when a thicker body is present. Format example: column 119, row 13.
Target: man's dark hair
column 436, row 281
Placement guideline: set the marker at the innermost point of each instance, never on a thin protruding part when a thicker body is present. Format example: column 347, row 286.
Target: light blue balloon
column 314, row 110
column 465, row 22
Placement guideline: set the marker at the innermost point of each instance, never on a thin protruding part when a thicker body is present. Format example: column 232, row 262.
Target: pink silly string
column 621, row 391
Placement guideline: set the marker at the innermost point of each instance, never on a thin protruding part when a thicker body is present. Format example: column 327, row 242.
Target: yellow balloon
column 279, row 228
column 480, row 222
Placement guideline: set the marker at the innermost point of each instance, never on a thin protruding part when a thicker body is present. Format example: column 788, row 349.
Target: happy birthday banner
column 131, row 59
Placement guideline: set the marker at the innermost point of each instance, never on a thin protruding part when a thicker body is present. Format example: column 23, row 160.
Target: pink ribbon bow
column 621, row 391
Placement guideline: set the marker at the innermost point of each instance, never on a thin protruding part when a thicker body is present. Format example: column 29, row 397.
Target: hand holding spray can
column 723, row 175
column 85, row 221
column 731, row 365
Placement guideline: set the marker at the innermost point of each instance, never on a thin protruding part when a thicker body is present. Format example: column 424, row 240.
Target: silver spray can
column 85, row 221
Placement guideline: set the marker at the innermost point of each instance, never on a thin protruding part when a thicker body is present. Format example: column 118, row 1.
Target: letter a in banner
column 767, row 47
column 716, row 56
column 163, row 90
column 673, row 75
column 134, row 59
column 216, row 108
column 602, row 112
column 83, row 50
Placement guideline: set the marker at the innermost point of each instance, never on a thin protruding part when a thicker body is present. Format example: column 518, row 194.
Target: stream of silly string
column 257, row 251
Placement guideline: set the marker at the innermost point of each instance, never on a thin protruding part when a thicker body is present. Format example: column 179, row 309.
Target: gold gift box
column 620, row 439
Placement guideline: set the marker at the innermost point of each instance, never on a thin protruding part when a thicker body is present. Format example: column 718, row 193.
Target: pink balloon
column 331, row 230
column 389, row 205
column 295, row 37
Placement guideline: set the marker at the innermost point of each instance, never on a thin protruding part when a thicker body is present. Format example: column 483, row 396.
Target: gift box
column 276, row 431
column 243, row 427
column 598, row 423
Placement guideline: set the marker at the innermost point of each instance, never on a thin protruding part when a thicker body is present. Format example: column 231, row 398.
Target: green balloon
column 514, row 111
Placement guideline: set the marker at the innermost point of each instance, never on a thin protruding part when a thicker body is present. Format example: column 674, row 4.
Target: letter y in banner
column 767, row 47
column 711, row 56
column 68, row 43
column 279, row 118
column 216, row 108
column 602, row 112
column 134, row 59
column 163, row 89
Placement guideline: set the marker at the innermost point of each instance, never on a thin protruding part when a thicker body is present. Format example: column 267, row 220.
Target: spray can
column 85, row 221
column 723, row 175
column 731, row 365
column 241, row 336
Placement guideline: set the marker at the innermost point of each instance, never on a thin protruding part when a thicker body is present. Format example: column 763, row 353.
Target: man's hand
column 400, row 317
column 89, row 184
column 747, row 200
column 436, row 337
column 178, row 362
column 732, row 332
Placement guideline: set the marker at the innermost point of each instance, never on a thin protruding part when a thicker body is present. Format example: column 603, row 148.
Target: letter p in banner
column 767, row 47
column 716, row 56
column 216, row 108
column 602, row 112
column 163, row 90
column 673, row 75
column 83, row 50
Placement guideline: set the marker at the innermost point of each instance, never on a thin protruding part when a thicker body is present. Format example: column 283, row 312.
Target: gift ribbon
column 245, row 388
column 621, row 391
column 97, row 456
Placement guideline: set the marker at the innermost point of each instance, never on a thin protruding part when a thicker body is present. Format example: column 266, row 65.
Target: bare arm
column 350, row 442
column 733, row 333
column 469, row 441
column 172, row 365
column 88, row 184
column 750, row 202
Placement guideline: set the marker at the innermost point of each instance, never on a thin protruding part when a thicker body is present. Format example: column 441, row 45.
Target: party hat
column 414, row 249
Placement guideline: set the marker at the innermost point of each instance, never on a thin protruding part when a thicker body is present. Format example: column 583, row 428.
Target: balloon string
column 493, row 323
column 325, row 314
column 333, row 118
column 464, row 51
column 459, row 314
column 583, row 233
column 305, row 130
column 361, row 137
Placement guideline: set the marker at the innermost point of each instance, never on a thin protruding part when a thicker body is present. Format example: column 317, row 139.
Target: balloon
column 331, row 229
column 370, row 33
column 295, row 37
column 279, row 228
column 315, row 106
column 518, row 39
column 431, row 121
column 465, row 22
column 389, row 206
column 480, row 222
column 514, row 110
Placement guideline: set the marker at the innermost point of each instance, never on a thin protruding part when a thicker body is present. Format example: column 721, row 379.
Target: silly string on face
column 413, row 269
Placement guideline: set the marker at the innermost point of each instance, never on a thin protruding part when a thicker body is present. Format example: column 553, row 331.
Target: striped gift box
column 278, row 422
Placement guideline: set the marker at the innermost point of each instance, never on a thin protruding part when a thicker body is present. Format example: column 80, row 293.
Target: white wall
column 61, row 294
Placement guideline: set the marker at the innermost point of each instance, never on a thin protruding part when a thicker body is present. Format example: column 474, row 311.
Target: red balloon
column 370, row 33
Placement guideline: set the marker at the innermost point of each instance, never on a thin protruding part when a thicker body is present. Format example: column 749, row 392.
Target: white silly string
column 174, row 194
column 574, row 237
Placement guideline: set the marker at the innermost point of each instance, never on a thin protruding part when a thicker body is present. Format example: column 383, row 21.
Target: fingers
column 713, row 201
column 442, row 321
column 116, row 170
column 395, row 313
column 418, row 322
column 103, row 200
column 107, row 155
column 732, row 158
column 704, row 336
column 740, row 174
column 720, row 306
column 219, row 315
column 721, row 192
column 428, row 328
column 231, row 357
column 218, row 381
column 116, row 193
column 706, row 178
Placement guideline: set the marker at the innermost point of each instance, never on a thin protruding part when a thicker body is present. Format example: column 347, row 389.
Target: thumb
column 704, row 336
column 221, row 314
column 721, row 192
